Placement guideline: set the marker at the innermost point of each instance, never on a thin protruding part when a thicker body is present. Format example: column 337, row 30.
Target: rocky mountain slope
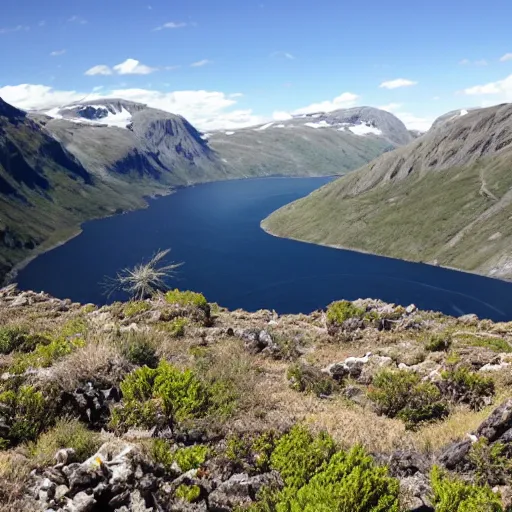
column 91, row 159
column 445, row 198
column 174, row 404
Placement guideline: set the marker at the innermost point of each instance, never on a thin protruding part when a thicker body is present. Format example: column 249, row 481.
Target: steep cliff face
column 445, row 198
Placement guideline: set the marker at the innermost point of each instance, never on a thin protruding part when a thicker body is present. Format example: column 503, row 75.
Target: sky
column 227, row 64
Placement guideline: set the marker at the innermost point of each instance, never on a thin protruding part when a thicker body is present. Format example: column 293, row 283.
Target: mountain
column 446, row 198
column 312, row 144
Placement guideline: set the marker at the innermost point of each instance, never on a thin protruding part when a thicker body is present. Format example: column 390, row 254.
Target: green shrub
column 19, row 339
column 186, row 298
column 191, row 457
column 467, row 386
column 140, row 350
column 176, row 327
column 439, row 343
column 307, row 379
column 402, row 394
column 342, row 310
column 136, row 307
column 349, row 482
column 73, row 328
column 453, row 495
column 164, row 395
column 190, row 493
column 25, row 413
column 299, row 455
column 67, row 433
column 490, row 462
column 254, row 452
column 494, row 344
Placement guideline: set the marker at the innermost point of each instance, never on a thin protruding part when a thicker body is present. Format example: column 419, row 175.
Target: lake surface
column 215, row 230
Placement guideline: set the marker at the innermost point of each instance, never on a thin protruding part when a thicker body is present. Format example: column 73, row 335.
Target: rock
column 352, row 366
column 356, row 395
column 494, row 367
column 416, row 491
column 411, row 309
column 499, row 422
column 506, row 437
column 455, row 454
column 375, row 364
column 81, row 477
column 82, row 502
column 65, row 456
column 61, row 491
column 352, row 324
column 470, row 319
column 19, row 302
column 337, row 371
column 241, row 489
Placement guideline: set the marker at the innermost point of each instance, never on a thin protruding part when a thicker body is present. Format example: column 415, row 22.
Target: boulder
column 416, row 491
column 498, row 423
column 455, row 454
column 407, row 463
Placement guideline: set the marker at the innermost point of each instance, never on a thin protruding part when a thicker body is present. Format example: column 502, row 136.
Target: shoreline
column 362, row 251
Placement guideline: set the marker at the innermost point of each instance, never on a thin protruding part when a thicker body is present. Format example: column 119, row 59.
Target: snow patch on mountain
column 320, row 124
column 365, row 129
column 264, row 127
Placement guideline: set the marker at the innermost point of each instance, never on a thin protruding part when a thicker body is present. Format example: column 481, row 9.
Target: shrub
column 342, row 310
column 494, row 344
column 136, row 307
column 349, row 482
column 402, row 394
column 187, row 458
column 490, row 462
column 190, row 493
column 186, row 298
column 140, row 350
column 254, row 452
column 467, row 386
column 299, row 455
column 67, row 433
column 161, row 396
column 307, row 379
column 18, row 339
column 176, row 327
column 439, row 343
column 25, row 413
column 453, row 495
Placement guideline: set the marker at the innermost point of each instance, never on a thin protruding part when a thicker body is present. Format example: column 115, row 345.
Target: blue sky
column 227, row 63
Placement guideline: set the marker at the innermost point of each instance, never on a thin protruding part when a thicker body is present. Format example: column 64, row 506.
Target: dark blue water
column 215, row 230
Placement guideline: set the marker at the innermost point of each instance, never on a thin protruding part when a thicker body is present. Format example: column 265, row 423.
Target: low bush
column 299, row 455
column 466, row 386
column 451, row 494
column 176, row 327
column 308, row 379
column 342, row 310
column 18, row 339
column 139, row 349
column 490, row 462
column 67, row 433
column 494, row 344
column 135, row 308
column 186, row 298
column 402, row 394
column 191, row 457
column 25, row 414
column 162, row 396
column 250, row 453
column 190, row 493
column 439, row 343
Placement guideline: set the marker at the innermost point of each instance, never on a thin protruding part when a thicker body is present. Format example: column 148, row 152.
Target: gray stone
column 455, row 454
column 82, row 502
column 61, row 491
column 416, row 491
column 497, row 423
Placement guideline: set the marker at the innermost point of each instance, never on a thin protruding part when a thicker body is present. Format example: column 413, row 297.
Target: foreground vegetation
column 359, row 408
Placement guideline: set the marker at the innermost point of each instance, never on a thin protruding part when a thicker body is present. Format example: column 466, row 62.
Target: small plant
column 453, row 495
column 402, row 394
column 466, row 386
column 19, row 339
column 161, row 396
column 491, row 464
column 494, row 344
column 342, row 310
column 186, row 298
column 176, row 327
column 140, row 350
column 190, row 493
column 307, row 379
column 253, row 452
column 67, row 433
column 25, row 414
column 439, row 343
column 143, row 280
column 136, row 307
column 299, row 455
column 191, row 457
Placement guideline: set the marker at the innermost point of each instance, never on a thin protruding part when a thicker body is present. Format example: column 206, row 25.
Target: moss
column 67, row 433
column 186, row 298
column 25, row 413
column 307, row 379
column 453, row 495
column 136, row 307
column 299, row 455
column 164, row 395
column 190, row 493
column 439, row 343
column 402, row 394
column 342, row 310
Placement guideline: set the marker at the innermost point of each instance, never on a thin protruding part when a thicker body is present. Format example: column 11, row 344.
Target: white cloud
column 390, row 107
column 17, row 28
column 398, row 82
column 468, row 62
column 281, row 116
column 506, row 57
column 286, row 55
column 201, row 63
column 411, row 121
column 208, row 110
column 57, row 53
column 77, row 19
column 171, row 25
column 133, row 67
column 501, row 87
column 345, row 100
column 100, row 69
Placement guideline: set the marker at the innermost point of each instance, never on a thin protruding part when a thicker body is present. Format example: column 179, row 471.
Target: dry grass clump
column 14, row 472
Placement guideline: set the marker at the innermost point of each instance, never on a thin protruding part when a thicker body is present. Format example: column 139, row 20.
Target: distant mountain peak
column 7, row 110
